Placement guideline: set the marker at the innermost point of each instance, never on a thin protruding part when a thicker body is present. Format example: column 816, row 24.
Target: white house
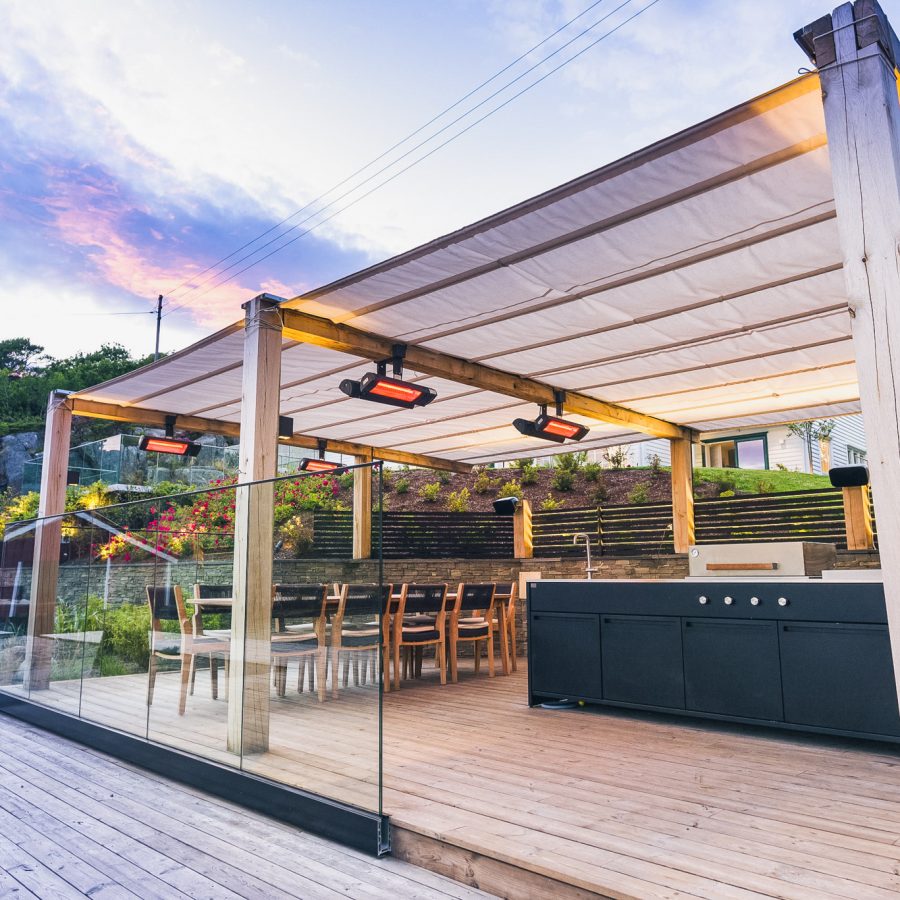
column 773, row 447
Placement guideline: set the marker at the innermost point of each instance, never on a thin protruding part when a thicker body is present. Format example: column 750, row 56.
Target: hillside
column 609, row 486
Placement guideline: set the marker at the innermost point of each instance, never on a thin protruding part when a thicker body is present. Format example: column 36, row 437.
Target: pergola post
column 47, row 540
column 858, row 518
column 523, row 546
column 362, row 508
column 251, row 619
column 855, row 51
column 682, row 453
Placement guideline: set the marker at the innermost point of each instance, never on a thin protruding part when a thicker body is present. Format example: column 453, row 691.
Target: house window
column 856, row 457
column 749, row 451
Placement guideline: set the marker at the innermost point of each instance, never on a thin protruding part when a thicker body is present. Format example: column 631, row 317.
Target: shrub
column 764, row 486
column 726, row 485
column 529, row 475
column 402, row 486
column 444, row 477
column 345, row 481
column 549, row 503
column 571, row 462
column 617, row 457
column 458, row 501
column 511, row 488
column 600, row 495
column 563, row 480
column 430, row 492
column 655, row 466
column 640, row 493
column 484, row 484
column 726, row 494
column 593, row 471
column 387, row 479
column 524, row 463
column 296, row 535
column 781, row 467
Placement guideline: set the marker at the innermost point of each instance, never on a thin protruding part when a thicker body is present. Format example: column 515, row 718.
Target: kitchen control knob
column 703, row 600
column 754, row 601
column 729, row 601
column 782, row 601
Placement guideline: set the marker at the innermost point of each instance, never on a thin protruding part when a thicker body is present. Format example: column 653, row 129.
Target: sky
column 141, row 142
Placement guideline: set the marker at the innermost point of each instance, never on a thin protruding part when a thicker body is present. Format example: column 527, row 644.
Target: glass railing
column 199, row 621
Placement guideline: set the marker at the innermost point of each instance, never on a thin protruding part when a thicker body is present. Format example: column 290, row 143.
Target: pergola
column 741, row 272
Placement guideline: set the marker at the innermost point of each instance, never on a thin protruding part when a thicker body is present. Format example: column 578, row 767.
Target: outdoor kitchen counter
column 799, row 653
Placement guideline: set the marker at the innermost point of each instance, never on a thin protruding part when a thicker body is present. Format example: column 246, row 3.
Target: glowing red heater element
column 551, row 428
column 391, row 391
column 172, row 446
column 308, row 464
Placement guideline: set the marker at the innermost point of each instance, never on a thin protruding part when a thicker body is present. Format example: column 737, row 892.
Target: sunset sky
column 140, row 142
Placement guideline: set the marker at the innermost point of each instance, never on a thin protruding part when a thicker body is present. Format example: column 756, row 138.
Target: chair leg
column 512, row 641
column 477, row 651
column 397, row 665
column 420, row 655
column 504, row 643
column 386, row 669
column 345, row 671
column 490, row 652
column 151, row 679
column 321, row 672
column 356, row 669
column 311, row 681
column 440, row 651
column 193, row 674
column 335, row 670
column 301, row 672
column 214, row 676
column 187, row 664
column 454, row 664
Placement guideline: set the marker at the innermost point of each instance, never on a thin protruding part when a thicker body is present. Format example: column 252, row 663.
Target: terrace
column 727, row 276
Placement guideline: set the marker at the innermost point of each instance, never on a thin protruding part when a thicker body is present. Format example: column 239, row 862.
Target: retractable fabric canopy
column 698, row 280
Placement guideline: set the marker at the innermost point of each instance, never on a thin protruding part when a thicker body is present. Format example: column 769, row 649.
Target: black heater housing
column 849, row 476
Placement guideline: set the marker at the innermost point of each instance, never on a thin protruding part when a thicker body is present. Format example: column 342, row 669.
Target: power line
column 416, row 161
column 390, row 149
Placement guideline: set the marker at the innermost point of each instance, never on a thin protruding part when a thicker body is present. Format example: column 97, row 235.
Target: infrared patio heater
column 552, row 428
column 169, row 444
column 319, row 464
column 379, row 387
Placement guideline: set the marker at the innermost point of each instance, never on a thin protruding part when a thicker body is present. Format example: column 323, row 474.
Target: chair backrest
column 212, row 591
column 166, row 605
column 473, row 595
column 365, row 599
column 425, row 598
column 299, row 601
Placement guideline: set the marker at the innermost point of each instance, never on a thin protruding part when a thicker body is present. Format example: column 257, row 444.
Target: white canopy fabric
column 698, row 280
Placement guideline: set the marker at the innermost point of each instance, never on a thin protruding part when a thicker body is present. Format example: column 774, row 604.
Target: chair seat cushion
column 287, row 637
column 418, row 619
column 286, row 648
column 370, row 638
column 419, row 634
column 474, row 629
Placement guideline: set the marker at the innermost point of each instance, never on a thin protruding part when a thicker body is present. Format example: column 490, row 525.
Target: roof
column 698, row 280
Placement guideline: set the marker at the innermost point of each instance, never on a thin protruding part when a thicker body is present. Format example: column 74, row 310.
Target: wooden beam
column 362, row 509
column 47, row 540
column 862, row 121
column 154, row 418
column 301, row 326
column 523, row 543
column 858, row 518
column 251, row 617
column 682, row 452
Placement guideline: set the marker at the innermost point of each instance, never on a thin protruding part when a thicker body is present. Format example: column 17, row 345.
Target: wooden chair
column 428, row 600
column 306, row 640
column 477, row 599
column 355, row 631
column 211, row 592
column 506, row 597
column 167, row 605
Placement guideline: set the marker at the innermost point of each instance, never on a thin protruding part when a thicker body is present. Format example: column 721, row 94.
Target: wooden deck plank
column 619, row 804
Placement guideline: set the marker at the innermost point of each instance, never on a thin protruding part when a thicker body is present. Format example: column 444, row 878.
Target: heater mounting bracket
column 321, row 444
column 170, row 426
column 559, row 397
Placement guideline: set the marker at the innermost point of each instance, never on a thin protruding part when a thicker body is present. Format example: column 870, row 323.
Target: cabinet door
column 731, row 667
column 839, row 676
column 642, row 660
column 564, row 653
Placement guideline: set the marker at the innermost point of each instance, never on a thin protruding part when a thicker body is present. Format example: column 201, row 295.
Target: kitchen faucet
column 587, row 546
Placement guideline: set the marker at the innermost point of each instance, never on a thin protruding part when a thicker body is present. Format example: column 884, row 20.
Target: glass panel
column 752, row 454
column 216, row 622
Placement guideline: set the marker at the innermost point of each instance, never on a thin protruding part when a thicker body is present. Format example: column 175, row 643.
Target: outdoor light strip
column 170, row 445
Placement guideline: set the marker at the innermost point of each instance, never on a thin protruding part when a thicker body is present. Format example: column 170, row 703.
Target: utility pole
column 159, row 300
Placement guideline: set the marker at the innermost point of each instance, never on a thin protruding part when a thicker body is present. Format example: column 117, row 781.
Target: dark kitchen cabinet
column 564, row 656
column 731, row 668
column 642, row 660
column 839, row 676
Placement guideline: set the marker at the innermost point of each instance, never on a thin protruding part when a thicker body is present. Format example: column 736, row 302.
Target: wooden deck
column 537, row 803
column 75, row 823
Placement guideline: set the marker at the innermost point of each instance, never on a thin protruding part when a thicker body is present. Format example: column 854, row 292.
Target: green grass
column 747, row 480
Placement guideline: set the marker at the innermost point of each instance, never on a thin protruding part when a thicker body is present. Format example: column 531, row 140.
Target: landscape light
column 552, row 428
column 379, row 387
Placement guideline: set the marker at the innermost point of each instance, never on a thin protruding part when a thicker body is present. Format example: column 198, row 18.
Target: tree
column 17, row 356
column 812, row 431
